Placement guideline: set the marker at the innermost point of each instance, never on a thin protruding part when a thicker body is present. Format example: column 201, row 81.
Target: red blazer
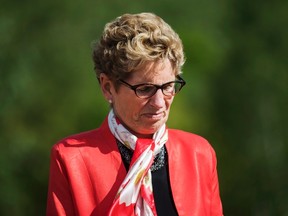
column 86, row 171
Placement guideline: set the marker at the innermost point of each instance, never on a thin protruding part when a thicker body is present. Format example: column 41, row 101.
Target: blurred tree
column 250, row 96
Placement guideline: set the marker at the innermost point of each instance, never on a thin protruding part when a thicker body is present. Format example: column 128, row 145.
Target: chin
column 151, row 130
column 148, row 128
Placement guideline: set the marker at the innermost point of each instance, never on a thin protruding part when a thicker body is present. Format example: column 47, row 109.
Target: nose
column 158, row 99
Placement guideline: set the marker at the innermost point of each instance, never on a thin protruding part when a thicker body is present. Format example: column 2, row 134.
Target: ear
column 107, row 87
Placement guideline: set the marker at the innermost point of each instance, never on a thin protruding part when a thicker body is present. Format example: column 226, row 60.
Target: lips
column 152, row 115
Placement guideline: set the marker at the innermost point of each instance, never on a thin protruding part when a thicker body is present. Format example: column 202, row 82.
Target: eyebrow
column 150, row 83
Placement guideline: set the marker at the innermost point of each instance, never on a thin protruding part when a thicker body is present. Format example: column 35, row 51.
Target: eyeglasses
column 147, row 90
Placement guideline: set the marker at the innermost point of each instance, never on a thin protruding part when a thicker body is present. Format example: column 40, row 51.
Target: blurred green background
column 236, row 94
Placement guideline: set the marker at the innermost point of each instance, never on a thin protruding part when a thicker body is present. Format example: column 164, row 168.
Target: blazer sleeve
column 216, row 204
column 59, row 201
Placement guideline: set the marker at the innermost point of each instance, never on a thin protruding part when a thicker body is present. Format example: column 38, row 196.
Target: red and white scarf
column 135, row 195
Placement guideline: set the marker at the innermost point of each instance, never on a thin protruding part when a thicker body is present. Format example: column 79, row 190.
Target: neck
column 148, row 136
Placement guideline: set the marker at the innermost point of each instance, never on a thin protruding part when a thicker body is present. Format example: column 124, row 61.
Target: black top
column 160, row 179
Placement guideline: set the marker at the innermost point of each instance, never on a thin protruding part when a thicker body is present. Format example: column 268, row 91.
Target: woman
column 133, row 164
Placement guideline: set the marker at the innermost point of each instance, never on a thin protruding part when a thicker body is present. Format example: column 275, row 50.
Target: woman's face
column 143, row 117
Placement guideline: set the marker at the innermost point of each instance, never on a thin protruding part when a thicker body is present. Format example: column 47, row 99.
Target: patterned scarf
column 135, row 195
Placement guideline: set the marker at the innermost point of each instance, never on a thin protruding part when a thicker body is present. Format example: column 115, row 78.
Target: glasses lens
column 145, row 91
column 169, row 89
column 148, row 90
column 177, row 88
column 172, row 88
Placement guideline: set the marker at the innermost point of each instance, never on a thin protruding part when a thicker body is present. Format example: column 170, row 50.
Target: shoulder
column 78, row 139
column 70, row 146
column 187, row 137
column 98, row 138
column 189, row 141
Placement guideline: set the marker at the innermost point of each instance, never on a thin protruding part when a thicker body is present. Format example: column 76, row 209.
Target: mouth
column 154, row 116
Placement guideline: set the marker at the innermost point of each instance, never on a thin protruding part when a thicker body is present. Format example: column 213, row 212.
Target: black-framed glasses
column 147, row 90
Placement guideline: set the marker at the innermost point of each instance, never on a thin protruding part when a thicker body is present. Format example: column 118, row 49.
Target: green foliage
column 236, row 92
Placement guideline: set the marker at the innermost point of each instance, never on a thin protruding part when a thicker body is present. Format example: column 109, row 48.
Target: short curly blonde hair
column 131, row 41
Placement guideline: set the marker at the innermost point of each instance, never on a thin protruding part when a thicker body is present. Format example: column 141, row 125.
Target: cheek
column 169, row 103
column 127, row 109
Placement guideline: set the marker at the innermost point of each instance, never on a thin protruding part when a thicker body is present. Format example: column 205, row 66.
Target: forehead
column 155, row 72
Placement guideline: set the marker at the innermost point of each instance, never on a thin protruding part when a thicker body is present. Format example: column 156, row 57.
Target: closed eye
column 169, row 87
column 145, row 88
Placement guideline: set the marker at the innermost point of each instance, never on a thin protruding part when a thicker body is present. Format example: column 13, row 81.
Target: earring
column 110, row 101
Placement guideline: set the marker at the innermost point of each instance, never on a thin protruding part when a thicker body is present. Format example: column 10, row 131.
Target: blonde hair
column 131, row 41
